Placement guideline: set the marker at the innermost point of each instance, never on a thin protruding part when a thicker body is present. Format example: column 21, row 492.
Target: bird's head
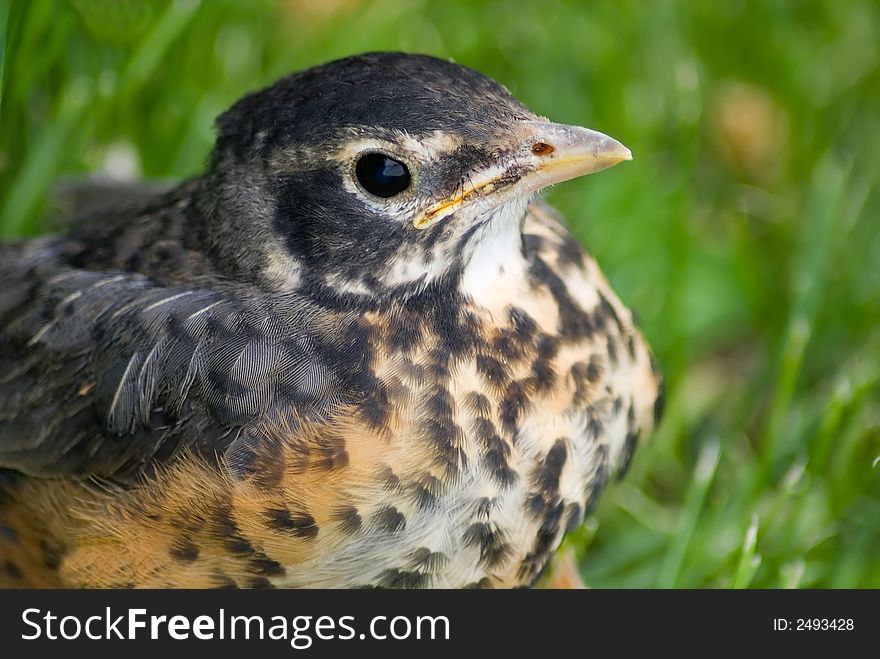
column 382, row 173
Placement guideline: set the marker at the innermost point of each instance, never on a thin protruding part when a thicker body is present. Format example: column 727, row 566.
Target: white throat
column 494, row 256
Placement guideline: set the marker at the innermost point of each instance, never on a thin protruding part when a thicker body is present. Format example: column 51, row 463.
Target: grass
column 745, row 232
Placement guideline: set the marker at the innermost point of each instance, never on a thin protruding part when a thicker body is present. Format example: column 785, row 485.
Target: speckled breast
column 493, row 427
column 486, row 423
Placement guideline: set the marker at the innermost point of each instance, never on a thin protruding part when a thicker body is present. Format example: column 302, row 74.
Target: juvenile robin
column 358, row 351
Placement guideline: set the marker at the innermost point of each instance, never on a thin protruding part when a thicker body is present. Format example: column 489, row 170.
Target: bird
column 357, row 351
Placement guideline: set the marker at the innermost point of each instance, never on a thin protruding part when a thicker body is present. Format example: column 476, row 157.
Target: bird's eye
column 382, row 175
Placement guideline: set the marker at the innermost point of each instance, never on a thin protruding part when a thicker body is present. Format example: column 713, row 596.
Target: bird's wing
column 102, row 373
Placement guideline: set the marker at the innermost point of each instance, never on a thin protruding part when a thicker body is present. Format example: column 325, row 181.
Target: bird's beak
column 545, row 153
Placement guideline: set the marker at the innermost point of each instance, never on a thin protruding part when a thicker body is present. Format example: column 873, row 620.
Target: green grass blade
column 4, row 29
column 749, row 560
column 704, row 475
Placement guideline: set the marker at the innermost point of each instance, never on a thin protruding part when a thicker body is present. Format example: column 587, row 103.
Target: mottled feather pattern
column 454, row 455
column 271, row 376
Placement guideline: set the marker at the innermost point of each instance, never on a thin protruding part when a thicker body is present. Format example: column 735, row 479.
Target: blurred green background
column 745, row 233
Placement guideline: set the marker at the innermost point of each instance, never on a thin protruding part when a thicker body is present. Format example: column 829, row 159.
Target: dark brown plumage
column 356, row 352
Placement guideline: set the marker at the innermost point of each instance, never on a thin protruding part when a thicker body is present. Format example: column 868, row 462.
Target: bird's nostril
column 542, row 149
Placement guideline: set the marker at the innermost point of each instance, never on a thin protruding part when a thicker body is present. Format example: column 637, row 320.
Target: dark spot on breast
column 222, row 520
column 359, row 340
column 607, row 309
column 389, row 520
column 483, row 584
column 51, row 555
column 535, row 505
column 425, row 560
column 445, row 438
column 432, row 236
column 12, row 570
column 508, row 345
column 375, row 408
column 468, row 333
column 330, row 453
column 389, row 479
column 298, row 458
column 594, row 425
column 484, row 505
column 574, row 323
column 483, row 429
column 495, row 373
column 239, row 546
column 655, row 367
column 631, row 347
column 351, row 346
column 438, row 364
column 404, row 332
column 573, row 517
column 532, row 244
column 599, row 480
column 267, row 468
column 220, row 580
column 426, row 490
column 569, row 253
column 456, row 331
column 477, row 404
column 549, row 529
column 524, row 326
column 491, row 541
column 224, row 526
column 443, row 434
column 349, row 519
column 629, row 449
column 611, row 349
column 548, row 347
column 496, row 459
column 416, row 373
column 543, row 375
column 452, row 464
column 536, row 560
column 263, row 565
column 546, row 475
column 439, row 404
column 594, row 370
column 580, row 375
column 659, row 402
column 259, row 583
column 300, row 525
column 513, row 407
column 398, row 391
column 537, row 572
column 184, row 550
column 396, row 578
column 8, row 534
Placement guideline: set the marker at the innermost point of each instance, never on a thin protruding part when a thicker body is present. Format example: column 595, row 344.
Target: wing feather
column 104, row 372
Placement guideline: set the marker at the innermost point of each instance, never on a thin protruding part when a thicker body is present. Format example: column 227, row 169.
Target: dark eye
column 382, row 175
